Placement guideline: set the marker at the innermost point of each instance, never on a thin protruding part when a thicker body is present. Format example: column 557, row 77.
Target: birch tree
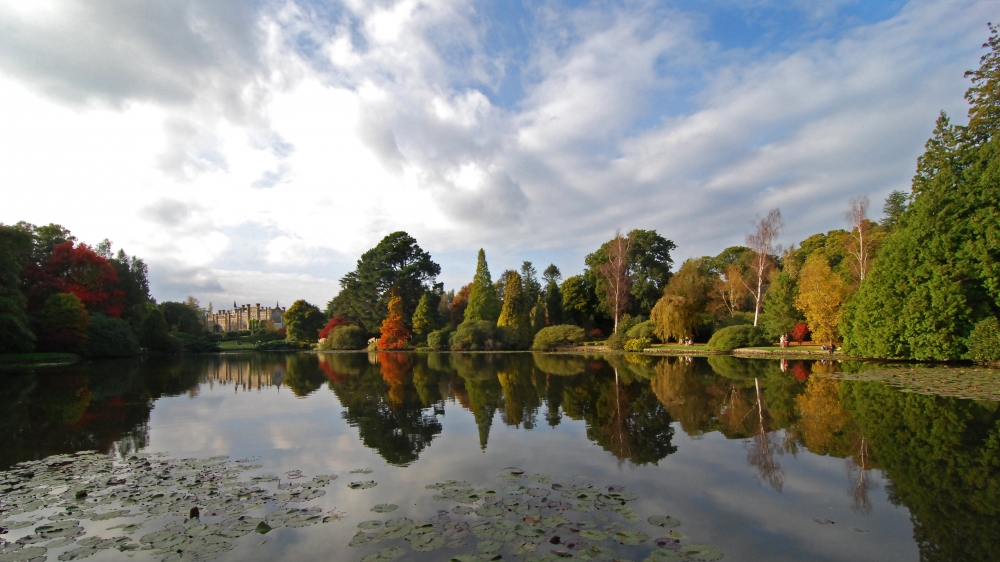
column 761, row 243
column 617, row 274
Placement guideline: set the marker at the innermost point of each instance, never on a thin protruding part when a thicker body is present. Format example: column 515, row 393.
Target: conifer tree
column 484, row 304
column 424, row 318
column 513, row 317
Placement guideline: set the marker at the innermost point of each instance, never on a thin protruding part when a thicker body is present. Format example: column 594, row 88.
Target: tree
column 780, row 313
column 154, row 333
column 939, row 272
column 459, row 304
column 133, row 278
column 730, row 289
column 484, row 304
column 821, row 295
column 530, row 287
column 649, row 255
column 616, row 274
column 539, row 317
column 893, row 209
column 552, row 274
column 110, row 337
column 424, row 321
column 761, row 243
column 63, row 323
column 303, row 321
column 579, row 300
column 334, row 322
column 79, row 270
column 15, row 334
column 677, row 314
column 182, row 318
column 513, row 317
column 859, row 245
column 553, row 304
column 394, row 332
column 501, row 284
column 397, row 264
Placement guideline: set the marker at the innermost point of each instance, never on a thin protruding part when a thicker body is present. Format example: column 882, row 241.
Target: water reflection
column 938, row 456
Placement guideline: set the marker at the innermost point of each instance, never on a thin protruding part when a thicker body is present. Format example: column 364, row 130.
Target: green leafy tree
column 677, row 314
column 538, row 315
column 154, row 333
column 513, row 317
column 303, row 321
column 15, row 334
column 939, row 273
column 649, row 264
column 182, row 318
column 133, row 277
column 553, row 304
column 63, row 323
column 424, row 317
column 579, row 300
column 552, row 274
column 110, row 337
column 484, row 304
column 780, row 313
column 396, row 264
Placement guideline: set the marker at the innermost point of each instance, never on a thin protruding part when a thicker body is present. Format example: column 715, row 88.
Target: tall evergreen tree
column 939, row 273
column 553, row 304
column 15, row 334
column 424, row 318
column 514, row 315
column 484, row 304
column 530, row 287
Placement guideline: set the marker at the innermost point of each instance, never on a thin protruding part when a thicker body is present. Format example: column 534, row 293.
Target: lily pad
column 664, row 521
column 700, row 552
column 664, row 555
column 631, row 538
column 389, row 553
column 362, row 471
column 362, row 485
column 385, row 508
column 370, row 524
column 24, row 554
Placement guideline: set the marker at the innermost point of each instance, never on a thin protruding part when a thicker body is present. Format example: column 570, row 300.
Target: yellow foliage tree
column 821, row 296
column 678, row 313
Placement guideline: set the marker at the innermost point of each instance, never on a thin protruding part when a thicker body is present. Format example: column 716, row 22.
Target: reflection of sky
column 707, row 483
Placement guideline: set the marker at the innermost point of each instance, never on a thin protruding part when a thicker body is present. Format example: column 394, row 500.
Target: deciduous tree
column 394, row 332
column 303, row 321
column 821, row 296
column 63, row 323
column 459, row 304
column 616, row 274
column 761, row 243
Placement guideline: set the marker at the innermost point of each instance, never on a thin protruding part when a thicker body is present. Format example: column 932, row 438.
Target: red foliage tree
column 333, row 323
column 800, row 371
column 395, row 367
column 800, row 332
column 78, row 270
column 394, row 332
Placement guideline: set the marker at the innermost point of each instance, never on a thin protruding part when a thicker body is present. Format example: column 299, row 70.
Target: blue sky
column 251, row 151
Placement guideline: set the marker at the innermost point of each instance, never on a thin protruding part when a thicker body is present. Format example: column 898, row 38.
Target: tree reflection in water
column 940, row 456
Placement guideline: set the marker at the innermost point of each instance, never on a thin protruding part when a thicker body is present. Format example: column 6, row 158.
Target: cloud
column 191, row 150
column 495, row 202
column 270, row 179
column 168, row 212
column 173, row 280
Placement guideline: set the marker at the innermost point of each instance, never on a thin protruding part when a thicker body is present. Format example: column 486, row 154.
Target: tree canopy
column 396, row 264
column 484, row 304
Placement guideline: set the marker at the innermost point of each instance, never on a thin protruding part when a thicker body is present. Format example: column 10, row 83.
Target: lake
column 473, row 457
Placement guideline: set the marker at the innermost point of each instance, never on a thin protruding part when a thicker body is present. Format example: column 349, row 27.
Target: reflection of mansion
column 246, row 317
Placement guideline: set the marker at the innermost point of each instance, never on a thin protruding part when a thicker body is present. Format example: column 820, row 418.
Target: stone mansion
column 246, row 317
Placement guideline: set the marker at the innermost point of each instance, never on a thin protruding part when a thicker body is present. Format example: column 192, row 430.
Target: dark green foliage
column 62, row 324
column 200, row 343
column 182, row 318
column 397, row 263
column 154, row 334
column 283, row 345
column 530, row 287
column 984, row 341
column 477, row 335
column 425, row 316
column 733, row 255
column 649, row 261
column 484, row 303
column 616, row 341
column 346, row 337
column 45, row 239
column 939, row 273
column 942, row 456
column 15, row 333
column 553, row 304
column 780, row 314
column 735, row 337
column 110, row 337
column 303, row 321
column 579, row 300
column 133, row 279
column 895, row 206
column 832, row 245
column 438, row 339
column 556, row 336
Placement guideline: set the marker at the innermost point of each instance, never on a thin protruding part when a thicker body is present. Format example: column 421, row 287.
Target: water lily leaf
column 78, row 553
column 24, row 554
column 668, row 542
column 529, row 531
column 664, row 555
column 362, row 471
column 597, row 552
column 593, row 534
column 701, row 552
column 632, row 538
column 362, row 485
column 385, row 508
column 370, row 524
column 361, row 539
column 462, row 510
column 665, row 521
column 427, row 543
column 488, row 546
column 489, row 511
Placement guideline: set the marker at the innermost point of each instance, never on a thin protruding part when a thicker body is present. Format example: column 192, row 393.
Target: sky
column 251, row 151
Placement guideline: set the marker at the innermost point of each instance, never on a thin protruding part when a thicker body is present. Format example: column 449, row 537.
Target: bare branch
column 761, row 242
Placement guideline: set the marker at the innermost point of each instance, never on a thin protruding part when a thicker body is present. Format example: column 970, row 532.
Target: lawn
column 233, row 345
column 678, row 346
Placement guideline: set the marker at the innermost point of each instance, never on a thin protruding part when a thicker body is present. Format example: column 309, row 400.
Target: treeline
column 61, row 295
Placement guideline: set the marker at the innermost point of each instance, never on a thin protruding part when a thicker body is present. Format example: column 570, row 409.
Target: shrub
column 734, row 337
column 636, row 344
column 438, row 339
column 477, row 335
column 616, row 342
column 197, row 343
column 984, row 341
column 555, row 336
column 63, row 324
column 334, row 322
column 153, row 334
column 110, row 337
column 282, row 345
column 345, row 337
column 642, row 330
column 800, row 332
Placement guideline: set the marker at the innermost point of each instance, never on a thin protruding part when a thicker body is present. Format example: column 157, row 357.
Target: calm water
column 762, row 459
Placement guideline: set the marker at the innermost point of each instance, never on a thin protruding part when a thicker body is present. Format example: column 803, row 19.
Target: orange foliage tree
column 394, row 332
